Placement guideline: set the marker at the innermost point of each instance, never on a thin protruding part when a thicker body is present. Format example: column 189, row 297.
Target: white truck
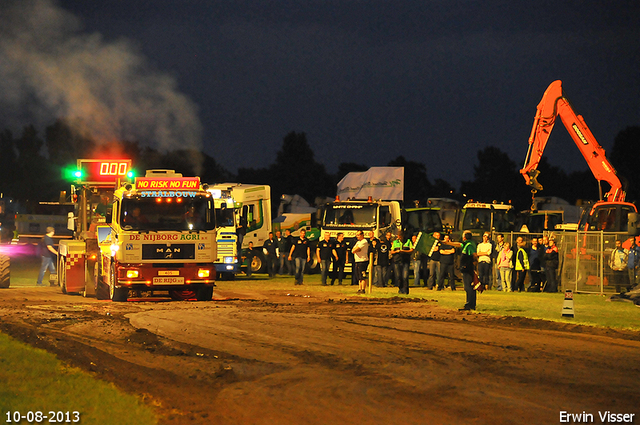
column 348, row 217
column 227, row 261
column 253, row 209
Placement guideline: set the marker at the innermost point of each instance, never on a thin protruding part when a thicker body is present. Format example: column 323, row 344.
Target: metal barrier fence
column 584, row 259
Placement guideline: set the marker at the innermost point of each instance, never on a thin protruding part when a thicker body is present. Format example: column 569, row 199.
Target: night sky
column 367, row 81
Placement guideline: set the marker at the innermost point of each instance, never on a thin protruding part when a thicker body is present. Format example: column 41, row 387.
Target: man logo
column 168, row 252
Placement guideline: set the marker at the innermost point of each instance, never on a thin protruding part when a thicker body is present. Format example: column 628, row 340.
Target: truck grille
column 225, row 249
column 169, row 252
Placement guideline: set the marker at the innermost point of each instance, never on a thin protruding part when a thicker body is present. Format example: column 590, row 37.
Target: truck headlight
column 228, row 260
column 132, row 274
column 203, row 273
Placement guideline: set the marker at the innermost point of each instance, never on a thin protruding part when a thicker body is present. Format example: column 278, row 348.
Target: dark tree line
column 496, row 176
column 31, row 169
column 295, row 171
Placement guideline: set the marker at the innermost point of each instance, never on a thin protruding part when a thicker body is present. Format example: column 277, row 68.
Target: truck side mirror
column 71, row 221
column 633, row 229
column 103, row 233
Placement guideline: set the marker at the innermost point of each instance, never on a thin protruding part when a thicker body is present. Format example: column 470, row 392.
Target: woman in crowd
column 505, row 266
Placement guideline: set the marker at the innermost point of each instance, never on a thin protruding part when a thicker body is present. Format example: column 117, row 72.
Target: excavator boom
column 553, row 105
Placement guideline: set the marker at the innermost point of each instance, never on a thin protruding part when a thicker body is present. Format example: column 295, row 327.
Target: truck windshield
column 422, row 221
column 153, row 214
column 480, row 219
column 224, row 216
column 352, row 215
column 504, row 220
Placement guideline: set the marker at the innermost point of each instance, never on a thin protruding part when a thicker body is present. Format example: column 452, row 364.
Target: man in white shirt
column 361, row 260
column 484, row 261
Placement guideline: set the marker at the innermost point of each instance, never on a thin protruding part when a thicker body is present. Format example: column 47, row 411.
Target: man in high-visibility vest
column 522, row 264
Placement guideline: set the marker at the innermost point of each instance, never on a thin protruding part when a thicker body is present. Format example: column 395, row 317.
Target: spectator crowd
column 437, row 262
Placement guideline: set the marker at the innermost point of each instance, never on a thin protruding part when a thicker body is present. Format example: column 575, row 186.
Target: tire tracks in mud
column 347, row 361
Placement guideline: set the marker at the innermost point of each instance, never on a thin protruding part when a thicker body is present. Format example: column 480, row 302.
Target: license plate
column 168, row 280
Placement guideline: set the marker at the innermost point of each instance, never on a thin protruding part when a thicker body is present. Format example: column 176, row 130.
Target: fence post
column 370, row 270
column 602, row 262
column 577, row 248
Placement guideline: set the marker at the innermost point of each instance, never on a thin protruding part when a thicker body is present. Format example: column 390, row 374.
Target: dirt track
column 270, row 357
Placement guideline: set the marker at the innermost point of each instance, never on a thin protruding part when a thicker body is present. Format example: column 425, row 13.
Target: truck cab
column 226, row 262
column 348, row 217
column 421, row 219
column 252, row 206
column 479, row 217
column 607, row 217
column 161, row 236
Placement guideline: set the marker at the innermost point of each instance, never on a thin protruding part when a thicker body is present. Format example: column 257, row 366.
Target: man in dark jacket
column 339, row 253
column 323, row 255
column 447, row 256
column 288, row 242
column 468, row 258
column 282, row 254
column 300, row 253
column 551, row 262
column 536, row 258
column 49, row 256
column 383, row 247
column 271, row 251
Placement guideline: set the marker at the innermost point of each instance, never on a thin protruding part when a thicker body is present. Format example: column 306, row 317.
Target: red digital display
column 113, row 168
column 103, row 172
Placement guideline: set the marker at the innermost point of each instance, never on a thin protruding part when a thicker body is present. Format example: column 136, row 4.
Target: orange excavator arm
column 552, row 105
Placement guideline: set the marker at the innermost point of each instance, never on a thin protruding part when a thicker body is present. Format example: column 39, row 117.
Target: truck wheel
column 5, row 264
column 313, row 266
column 63, row 284
column 102, row 290
column 259, row 262
column 182, row 295
column 89, row 289
column 205, row 293
column 116, row 294
column 62, row 274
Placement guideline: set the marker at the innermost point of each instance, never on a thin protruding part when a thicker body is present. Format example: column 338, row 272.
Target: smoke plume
column 50, row 68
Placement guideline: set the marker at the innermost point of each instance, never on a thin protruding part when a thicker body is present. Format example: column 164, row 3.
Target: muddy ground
column 269, row 357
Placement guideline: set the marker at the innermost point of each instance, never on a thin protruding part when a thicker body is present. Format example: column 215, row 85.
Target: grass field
column 35, row 381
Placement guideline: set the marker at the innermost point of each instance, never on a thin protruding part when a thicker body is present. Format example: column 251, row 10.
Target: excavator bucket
column 532, row 180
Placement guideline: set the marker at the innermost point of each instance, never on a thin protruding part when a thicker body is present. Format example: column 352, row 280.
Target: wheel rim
column 256, row 264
